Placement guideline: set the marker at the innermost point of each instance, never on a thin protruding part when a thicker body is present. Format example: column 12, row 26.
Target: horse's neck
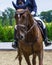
column 33, row 23
column 32, row 34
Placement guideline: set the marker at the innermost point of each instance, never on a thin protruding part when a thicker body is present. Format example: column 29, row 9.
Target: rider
column 31, row 4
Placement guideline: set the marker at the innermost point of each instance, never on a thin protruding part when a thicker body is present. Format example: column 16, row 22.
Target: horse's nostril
column 21, row 36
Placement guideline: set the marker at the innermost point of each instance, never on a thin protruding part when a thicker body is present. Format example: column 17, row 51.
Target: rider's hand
column 33, row 13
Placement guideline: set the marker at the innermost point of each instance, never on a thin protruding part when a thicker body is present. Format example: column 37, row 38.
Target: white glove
column 32, row 13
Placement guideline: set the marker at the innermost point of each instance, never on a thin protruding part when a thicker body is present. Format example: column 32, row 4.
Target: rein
column 30, row 29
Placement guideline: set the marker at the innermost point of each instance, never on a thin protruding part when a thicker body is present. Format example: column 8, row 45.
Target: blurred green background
column 7, row 23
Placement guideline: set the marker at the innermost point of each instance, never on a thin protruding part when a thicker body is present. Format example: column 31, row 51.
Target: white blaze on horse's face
column 18, row 15
column 22, row 35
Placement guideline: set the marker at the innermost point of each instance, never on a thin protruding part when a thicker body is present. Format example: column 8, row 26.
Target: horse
column 30, row 40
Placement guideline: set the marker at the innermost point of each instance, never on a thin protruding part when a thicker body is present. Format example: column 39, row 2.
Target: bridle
column 19, row 26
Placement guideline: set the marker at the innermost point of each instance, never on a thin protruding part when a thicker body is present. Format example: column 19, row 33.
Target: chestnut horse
column 30, row 40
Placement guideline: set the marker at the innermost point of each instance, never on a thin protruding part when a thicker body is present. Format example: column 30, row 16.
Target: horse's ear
column 28, row 13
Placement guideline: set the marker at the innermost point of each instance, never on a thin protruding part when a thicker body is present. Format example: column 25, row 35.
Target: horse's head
column 24, row 22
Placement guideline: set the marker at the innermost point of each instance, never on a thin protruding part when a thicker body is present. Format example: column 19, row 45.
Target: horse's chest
column 29, row 38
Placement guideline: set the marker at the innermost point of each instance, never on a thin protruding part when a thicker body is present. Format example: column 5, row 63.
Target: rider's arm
column 34, row 6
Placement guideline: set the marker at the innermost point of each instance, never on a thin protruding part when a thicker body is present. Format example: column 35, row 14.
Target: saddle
column 40, row 25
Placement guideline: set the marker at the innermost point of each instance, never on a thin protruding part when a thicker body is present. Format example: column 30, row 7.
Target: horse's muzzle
column 20, row 31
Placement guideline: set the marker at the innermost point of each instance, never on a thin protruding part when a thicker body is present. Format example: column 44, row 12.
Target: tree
column 10, row 15
column 4, row 18
column 7, row 17
column 47, row 15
